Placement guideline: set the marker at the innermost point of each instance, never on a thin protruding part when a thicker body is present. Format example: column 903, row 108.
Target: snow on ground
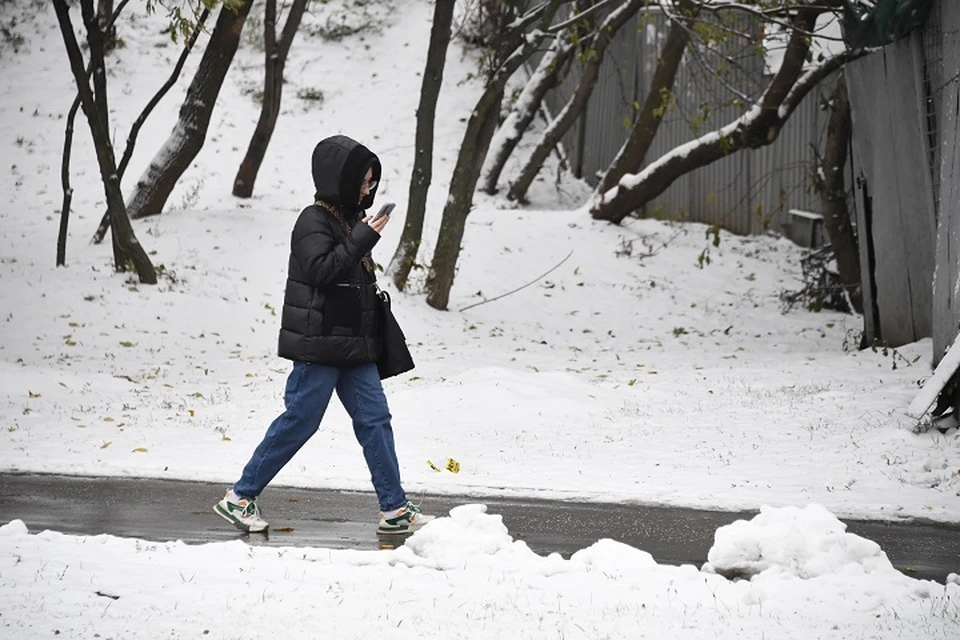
column 627, row 373
column 464, row 577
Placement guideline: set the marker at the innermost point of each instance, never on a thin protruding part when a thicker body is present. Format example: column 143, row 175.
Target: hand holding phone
column 385, row 210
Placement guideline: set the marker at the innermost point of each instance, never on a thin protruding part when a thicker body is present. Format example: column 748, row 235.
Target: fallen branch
column 511, row 292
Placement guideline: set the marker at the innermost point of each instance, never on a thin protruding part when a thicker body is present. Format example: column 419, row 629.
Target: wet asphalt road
column 163, row 510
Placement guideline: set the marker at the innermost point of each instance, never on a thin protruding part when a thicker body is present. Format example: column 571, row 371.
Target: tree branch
column 586, row 13
column 812, row 77
column 104, row 225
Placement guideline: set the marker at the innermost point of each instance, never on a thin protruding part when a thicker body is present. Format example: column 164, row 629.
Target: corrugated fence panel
column 783, row 171
column 610, row 109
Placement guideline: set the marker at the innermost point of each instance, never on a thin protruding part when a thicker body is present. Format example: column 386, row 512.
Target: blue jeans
column 308, row 393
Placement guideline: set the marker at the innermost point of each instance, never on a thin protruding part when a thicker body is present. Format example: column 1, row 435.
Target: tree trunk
column 406, row 254
column 648, row 120
column 833, row 195
column 127, row 249
column 577, row 102
column 476, row 140
column 525, row 110
column 758, row 127
column 106, row 18
column 187, row 138
column 65, row 183
column 517, row 47
column 276, row 59
column 107, row 26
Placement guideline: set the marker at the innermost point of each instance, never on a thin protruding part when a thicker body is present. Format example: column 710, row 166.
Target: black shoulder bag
column 395, row 357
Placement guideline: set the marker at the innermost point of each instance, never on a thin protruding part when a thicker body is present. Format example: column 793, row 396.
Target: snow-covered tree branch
column 759, row 125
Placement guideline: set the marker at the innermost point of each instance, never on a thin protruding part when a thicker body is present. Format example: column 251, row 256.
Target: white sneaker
column 406, row 519
column 243, row 513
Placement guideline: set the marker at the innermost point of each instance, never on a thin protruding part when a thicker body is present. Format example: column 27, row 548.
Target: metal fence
column 748, row 192
column 904, row 168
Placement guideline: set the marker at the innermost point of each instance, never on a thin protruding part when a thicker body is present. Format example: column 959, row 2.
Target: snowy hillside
column 629, row 373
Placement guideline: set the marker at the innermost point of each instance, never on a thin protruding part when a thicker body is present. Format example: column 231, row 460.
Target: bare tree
column 106, row 19
column 514, row 44
column 188, row 135
column 406, row 254
column 647, row 122
column 276, row 58
column 829, row 182
column 759, row 125
column 594, row 56
column 127, row 250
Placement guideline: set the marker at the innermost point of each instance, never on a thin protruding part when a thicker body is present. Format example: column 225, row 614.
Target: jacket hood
column 339, row 164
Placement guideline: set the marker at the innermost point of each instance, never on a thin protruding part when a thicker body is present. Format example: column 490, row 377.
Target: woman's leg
column 307, row 395
column 362, row 396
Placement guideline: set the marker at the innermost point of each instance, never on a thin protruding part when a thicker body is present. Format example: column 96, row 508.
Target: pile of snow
column 462, row 576
column 807, row 543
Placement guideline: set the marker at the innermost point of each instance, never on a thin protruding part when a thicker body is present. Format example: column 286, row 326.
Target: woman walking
column 330, row 329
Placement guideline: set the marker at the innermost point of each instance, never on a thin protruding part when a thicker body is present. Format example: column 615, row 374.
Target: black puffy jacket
column 330, row 304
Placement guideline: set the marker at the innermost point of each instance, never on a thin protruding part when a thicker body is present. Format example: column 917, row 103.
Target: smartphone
column 385, row 210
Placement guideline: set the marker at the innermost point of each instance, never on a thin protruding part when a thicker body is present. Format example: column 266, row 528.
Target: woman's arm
column 324, row 258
